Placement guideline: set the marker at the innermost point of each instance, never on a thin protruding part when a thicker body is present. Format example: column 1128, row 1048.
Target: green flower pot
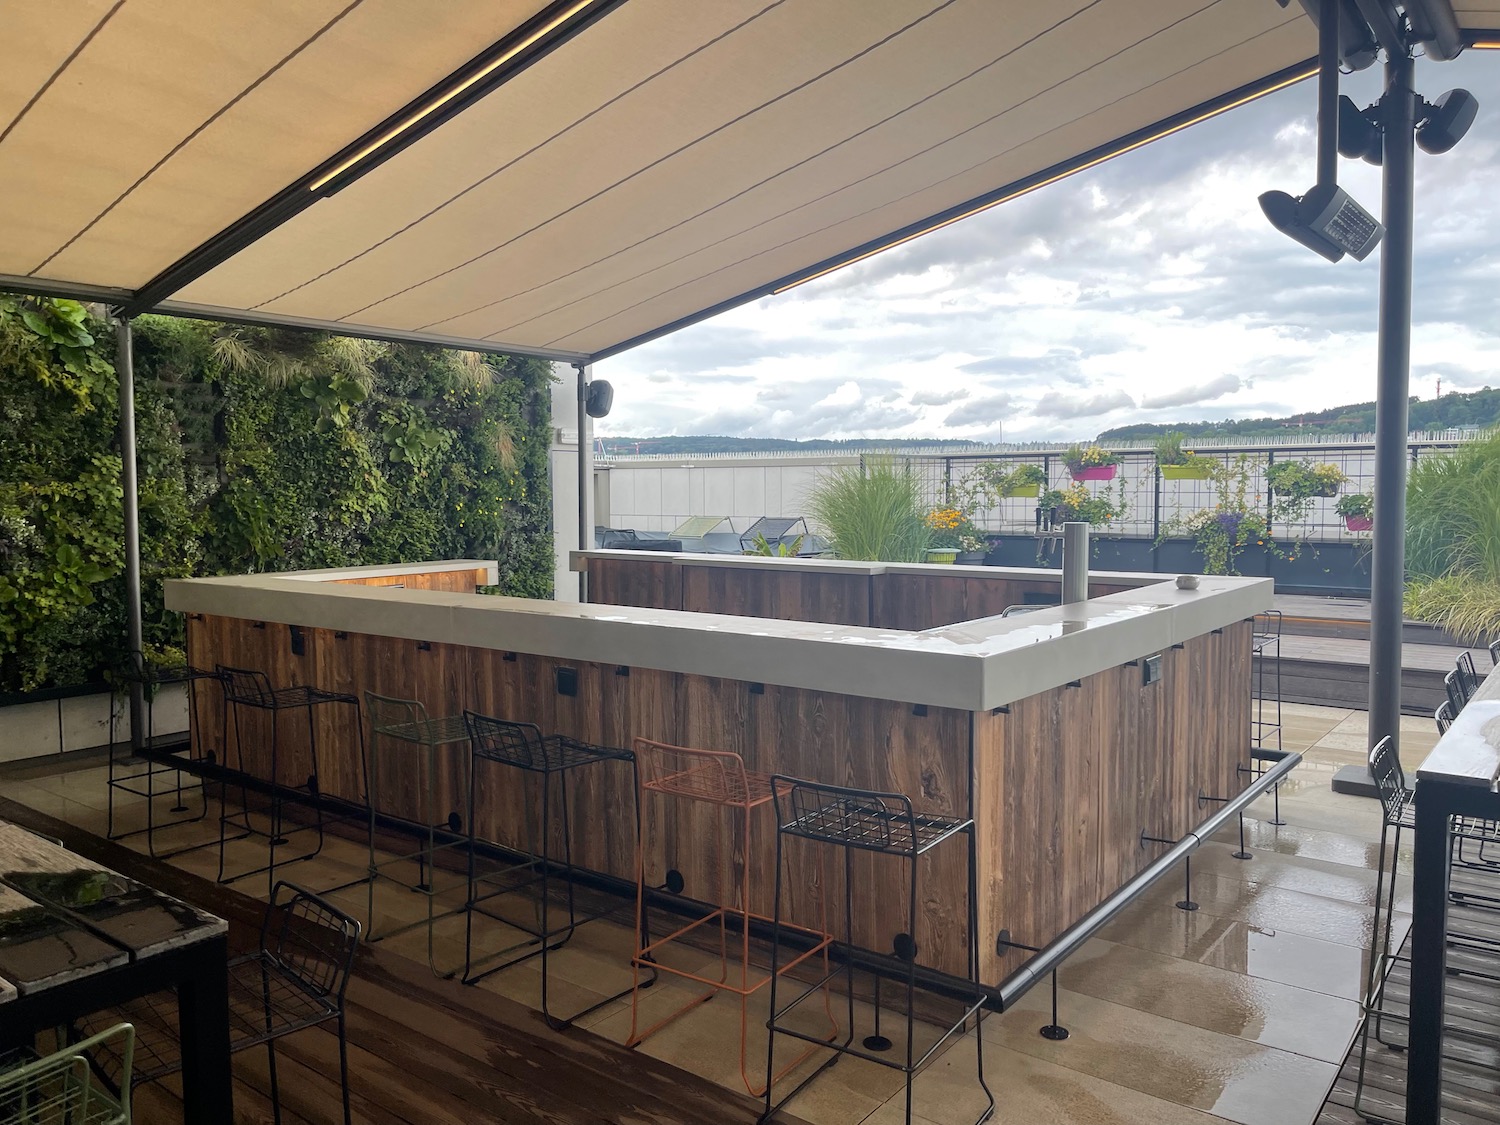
column 942, row 554
column 1185, row 472
column 1024, row 490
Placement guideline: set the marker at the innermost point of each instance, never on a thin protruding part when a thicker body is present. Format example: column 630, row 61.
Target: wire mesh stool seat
column 250, row 690
column 1398, row 815
column 138, row 776
column 296, row 979
column 884, row 824
column 720, row 779
column 405, row 722
column 523, row 746
column 61, row 1089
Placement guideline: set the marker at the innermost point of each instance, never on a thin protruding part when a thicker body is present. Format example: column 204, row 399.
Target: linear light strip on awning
column 534, row 40
column 448, row 95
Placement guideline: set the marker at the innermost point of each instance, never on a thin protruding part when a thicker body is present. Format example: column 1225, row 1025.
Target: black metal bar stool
column 405, row 724
column 885, row 824
column 522, row 746
column 246, row 689
column 137, row 775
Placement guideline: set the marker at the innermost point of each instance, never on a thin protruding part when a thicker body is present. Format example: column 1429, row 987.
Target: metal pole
column 585, row 477
column 1388, row 567
column 1075, row 563
column 1328, row 92
column 134, row 630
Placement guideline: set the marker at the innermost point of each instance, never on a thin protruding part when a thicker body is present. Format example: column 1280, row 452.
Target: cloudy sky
column 1148, row 289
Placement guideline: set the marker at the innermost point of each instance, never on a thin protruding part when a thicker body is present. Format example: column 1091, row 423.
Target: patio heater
column 1350, row 32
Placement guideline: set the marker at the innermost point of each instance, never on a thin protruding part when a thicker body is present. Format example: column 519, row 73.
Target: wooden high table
column 76, row 938
column 1461, row 777
column 1068, row 733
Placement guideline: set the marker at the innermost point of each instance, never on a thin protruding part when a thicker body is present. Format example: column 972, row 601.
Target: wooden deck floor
column 1471, row 1072
column 422, row 1051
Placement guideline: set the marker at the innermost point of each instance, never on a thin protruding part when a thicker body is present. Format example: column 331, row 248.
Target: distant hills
column 1477, row 409
column 1460, row 409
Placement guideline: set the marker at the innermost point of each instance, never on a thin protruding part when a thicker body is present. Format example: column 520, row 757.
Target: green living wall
column 258, row 450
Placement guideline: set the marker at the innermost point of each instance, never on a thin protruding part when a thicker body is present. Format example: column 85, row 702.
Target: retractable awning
column 564, row 179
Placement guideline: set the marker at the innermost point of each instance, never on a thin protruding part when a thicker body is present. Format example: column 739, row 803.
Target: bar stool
column 717, row 778
column 884, row 824
column 250, row 689
column 523, row 746
column 129, row 773
column 405, row 723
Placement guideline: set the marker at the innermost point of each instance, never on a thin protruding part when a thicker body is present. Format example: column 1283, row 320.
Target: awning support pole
column 1393, row 383
column 125, row 369
column 585, row 477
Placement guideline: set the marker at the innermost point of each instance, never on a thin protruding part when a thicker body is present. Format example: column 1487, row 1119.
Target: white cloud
column 1192, row 395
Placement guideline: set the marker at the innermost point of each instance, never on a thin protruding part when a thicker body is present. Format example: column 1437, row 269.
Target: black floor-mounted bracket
column 1054, row 1030
column 1186, row 902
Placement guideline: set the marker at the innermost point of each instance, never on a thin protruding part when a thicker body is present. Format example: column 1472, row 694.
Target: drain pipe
column 1075, row 563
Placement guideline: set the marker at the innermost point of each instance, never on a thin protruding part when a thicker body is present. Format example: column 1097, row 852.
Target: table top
column 63, row 917
column 1469, row 754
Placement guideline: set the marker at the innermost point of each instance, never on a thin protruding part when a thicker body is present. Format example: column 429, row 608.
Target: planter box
column 1095, row 472
column 942, row 554
column 43, row 727
column 1359, row 523
column 1185, row 472
column 1023, row 490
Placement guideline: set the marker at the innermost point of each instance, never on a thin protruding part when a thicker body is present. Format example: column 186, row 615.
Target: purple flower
column 1230, row 523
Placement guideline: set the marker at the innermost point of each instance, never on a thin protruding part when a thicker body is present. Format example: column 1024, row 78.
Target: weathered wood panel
column 646, row 583
column 452, row 581
column 1066, row 782
column 782, row 595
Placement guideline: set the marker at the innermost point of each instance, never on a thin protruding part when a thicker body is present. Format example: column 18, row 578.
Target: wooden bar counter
column 1045, row 727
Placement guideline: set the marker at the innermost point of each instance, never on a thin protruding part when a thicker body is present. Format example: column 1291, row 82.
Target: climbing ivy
column 258, row 450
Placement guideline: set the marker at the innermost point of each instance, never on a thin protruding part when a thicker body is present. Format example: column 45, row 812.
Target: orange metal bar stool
column 718, row 778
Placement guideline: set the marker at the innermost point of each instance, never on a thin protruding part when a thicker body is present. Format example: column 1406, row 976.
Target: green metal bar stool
column 61, row 1088
column 405, row 723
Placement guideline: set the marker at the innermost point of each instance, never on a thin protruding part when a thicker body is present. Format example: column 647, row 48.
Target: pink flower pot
column 1359, row 523
column 1095, row 472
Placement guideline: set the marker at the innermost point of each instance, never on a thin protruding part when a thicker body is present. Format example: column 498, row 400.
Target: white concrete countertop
column 974, row 665
column 1469, row 754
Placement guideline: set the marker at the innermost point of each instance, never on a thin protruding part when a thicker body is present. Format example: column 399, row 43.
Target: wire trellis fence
column 1153, row 505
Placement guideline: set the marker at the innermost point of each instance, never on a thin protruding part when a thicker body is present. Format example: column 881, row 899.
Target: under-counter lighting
column 1121, row 151
column 443, row 99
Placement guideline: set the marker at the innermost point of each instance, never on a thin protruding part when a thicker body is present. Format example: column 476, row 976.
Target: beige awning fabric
column 669, row 158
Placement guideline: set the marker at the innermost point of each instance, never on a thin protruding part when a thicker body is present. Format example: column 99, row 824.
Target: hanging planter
column 1091, row 463
column 1094, row 472
column 1023, row 490
column 1358, row 510
column 1198, row 471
